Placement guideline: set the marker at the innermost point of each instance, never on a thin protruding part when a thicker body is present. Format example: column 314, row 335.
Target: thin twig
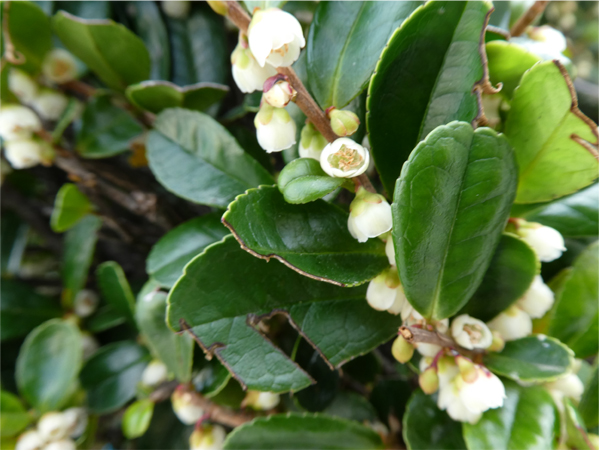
column 416, row 335
column 528, row 17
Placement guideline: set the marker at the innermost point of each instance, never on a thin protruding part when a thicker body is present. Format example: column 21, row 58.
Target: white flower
column 25, row 153
column 512, row 324
column 207, row 437
column 538, row 299
column 30, row 440
column 400, row 300
column 278, row 94
column 186, row 405
column 429, row 350
column 442, row 325
column 77, row 421
column 275, row 129
column 486, row 391
column 176, row 9
column 447, row 370
column 53, row 426
column 549, row 36
column 18, row 122
column 385, row 290
column 449, row 400
column 370, row 215
column 311, row 142
column 50, row 104
column 154, row 374
column 390, row 250
column 471, row 333
column 86, row 302
column 568, row 386
column 262, row 401
column 547, row 242
column 59, row 66
column 22, row 85
column 275, row 37
column 63, row 444
column 344, row 158
column 247, row 73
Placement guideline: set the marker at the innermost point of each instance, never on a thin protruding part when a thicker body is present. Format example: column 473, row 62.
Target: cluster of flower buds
column 55, row 431
column 187, row 405
column 261, row 401
column 207, row 437
column 154, row 374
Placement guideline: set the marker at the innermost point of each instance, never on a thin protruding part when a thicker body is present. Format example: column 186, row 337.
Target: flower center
column 474, row 331
column 346, row 159
column 61, row 67
column 282, row 50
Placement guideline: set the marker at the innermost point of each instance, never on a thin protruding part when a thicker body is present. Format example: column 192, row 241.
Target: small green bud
column 343, row 123
column 497, row 344
column 467, row 369
column 218, row 7
column 402, row 350
column 429, row 380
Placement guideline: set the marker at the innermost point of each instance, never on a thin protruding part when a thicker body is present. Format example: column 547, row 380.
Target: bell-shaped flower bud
column 247, row 73
column 482, row 392
column 77, row 419
column 275, row 37
column 400, row 300
column 447, row 370
column 176, row 9
column 62, row 444
column 53, row 426
column 18, row 122
column 311, row 142
column 384, row 289
column 50, row 104
column 390, row 250
column 278, row 92
column 449, row 400
column 498, row 342
column 547, row 242
column 25, row 153
column 344, row 158
column 370, row 215
column 207, row 437
column 568, row 386
column 187, row 405
column 538, row 299
column 275, row 128
column 22, row 85
column 154, row 374
column 343, row 123
column 59, row 66
column 429, row 350
column 261, row 401
column 549, row 36
column 30, row 440
column 218, row 6
column 402, row 350
column 429, row 380
column 512, row 324
column 86, row 302
column 471, row 333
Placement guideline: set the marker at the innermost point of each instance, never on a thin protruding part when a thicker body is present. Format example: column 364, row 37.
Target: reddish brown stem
column 415, row 335
column 528, row 17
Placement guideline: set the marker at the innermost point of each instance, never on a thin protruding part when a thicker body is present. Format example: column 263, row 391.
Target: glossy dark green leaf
column 390, row 398
column 115, row 288
column 424, row 78
column 526, row 421
column 303, row 181
column 213, row 378
column 309, row 431
column 85, row 9
column 351, row 406
column 166, row 431
column 176, row 248
column 48, row 364
column 312, row 239
column 70, row 206
column 318, row 396
column 576, row 313
column 104, row 319
column 174, row 350
column 532, row 358
column 507, row 63
column 512, row 269
column 550, row 136
column 106, row 130
column 344, row 44
column 589, row 404
column 106, row 47
column 452, row 203
column 22, row 309
column 426, row 427
column 111, row 375
column 13, row 415
column 137, row 418
column 13, row 240
column 196, row 158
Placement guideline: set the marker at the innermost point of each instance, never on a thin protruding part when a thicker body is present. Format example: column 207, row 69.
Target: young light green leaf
column 137, row 418
column 575, row 427
column 452, row 202
column 437, row 49
column 13, row 415
column 115, row 288
column 70, row 206
column 303, row 181
column 507, row 63
column 589, row 403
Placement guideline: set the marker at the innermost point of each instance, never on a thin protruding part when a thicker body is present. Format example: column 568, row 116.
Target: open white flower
column 207, row 437
column 22, row 85
column 186, row 405
column 30, row 440
column 59, row 66
column 18, row 122
column 262, row 401
column 275, row 37
column 86, row 302
column 25, row 153
column 278, row 93
column 53, row 426
column 385, row 291
column 390, row 250
column 538, row 299
column 311, row 142
column 275, row 128
column 247, row 73
column 344, row 158
column 50, row 104
column 154, row 374
column 471, row 333
column 369, row 216
column 512, row 324
column 176, row 9
column 547, row 242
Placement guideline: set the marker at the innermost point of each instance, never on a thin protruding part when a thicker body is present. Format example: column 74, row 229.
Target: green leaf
column 312, row 239
column 303, row 181
column 533, row 358
column 68, row 116
column 85, row 9
column 344, row 43
column 550, row 136
column 174, row 350
column 513, row 268
column 106, row 47
column 575, row 320
column 155, row 96
column 308, row 431
column 318, row 396
column 13, row 240
column 23, row 309
column 438, row 50
column 525, row 422
column 426, row 427
column 452, row 203
column 180, row 245
column 115, row 288
column 351, row 406
column 70, row 206
column 106, row 130
column 194, row 157
column 111, row 375
column 79, row 245
column 104, row 319
column 507, row 63
column 213, row 378
column 137, row 418
column 14, row 417
column 576, row 430
column 23, row 17
column 48, row 364
column 589, row 407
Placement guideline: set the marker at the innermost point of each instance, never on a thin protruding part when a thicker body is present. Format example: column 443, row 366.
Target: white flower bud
column 22, row 85
column 30, row 440
column 370, row 215
column 547, row 242
column 247, row 73
column 86, row 302
column 90, row 345
column 275, row 129
column 50, row 104
column 25, row 153
column 186, row 405
column 53, row 426
column 569, row 386
column 384, row 290
column 154, row 374
column 549, row 36
column 262, row 401
column 207, row 437
column 344, row 158
column 311, row 142
column 275, row 37
column 63, row 444
column 471, row 333
column 512, row 324
column 399, row 302
column 485, row 392
column 449, row 400
column 77, row 421
column 447, row 370
column 279, row 93
column 390, row 250
column 442, row 326
column 538, row 299
column 59, row 66
column 429, row 350
column 18, row 122
column 176, row 9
